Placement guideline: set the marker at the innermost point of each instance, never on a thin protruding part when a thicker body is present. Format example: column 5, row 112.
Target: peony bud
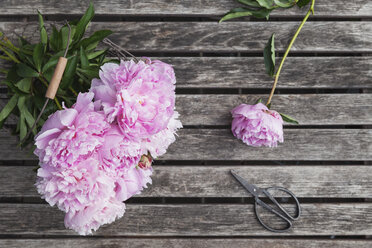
column 145, row 162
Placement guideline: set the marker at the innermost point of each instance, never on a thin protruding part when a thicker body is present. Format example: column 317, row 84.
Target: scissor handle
column 270, row 196
column 283, row 214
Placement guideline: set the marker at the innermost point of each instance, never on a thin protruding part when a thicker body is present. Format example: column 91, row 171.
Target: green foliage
column 288, row 119
column 269, row 56
column 32, row 66
column 261, row 8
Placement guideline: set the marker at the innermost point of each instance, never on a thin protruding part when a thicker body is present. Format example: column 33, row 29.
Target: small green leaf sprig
column 31, row 67
column 262, row 9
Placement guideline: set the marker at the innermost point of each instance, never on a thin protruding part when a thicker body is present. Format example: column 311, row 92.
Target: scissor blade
column 249, row 187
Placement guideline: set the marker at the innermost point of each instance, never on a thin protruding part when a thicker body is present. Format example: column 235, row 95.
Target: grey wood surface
column 219, row 144
column 184, row 243
column 325, row 84
column 216, row 181
column 249, row 72
column 193, row 220
column 328, row 36
column 339, row 8
column 316, row 109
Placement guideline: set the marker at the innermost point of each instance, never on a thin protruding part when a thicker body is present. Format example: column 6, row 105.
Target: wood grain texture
column 216, row 181
column 249, row 72
column 192, row 220
column 309, row 109
column 142, row 37
column 183, row 243
column 322, row 109
column 340, row 8
column 219, row 144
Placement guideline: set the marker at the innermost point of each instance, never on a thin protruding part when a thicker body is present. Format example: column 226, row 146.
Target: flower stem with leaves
column 262, row 9
column 311, row 11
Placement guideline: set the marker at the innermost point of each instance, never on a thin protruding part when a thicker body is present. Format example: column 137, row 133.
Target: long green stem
column 10, row 55
column 311, row 10
column 9, row 45
column 73, row 91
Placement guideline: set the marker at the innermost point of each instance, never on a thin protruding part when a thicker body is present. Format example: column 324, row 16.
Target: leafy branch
column 32, row 66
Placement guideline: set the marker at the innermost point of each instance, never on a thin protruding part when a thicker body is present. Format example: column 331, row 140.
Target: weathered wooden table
column 194, row 202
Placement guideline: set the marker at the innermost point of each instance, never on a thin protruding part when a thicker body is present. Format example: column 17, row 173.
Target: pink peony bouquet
column 98, row 153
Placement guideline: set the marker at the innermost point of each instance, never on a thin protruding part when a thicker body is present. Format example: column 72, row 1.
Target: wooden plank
column 182, row 242
column 308, row 109
column 249, row 72
column 300, row 144
column 219, row 144
column 323, row 109
column 142, row 37
column 326, row 8
column 192, row 220
column 190, row 181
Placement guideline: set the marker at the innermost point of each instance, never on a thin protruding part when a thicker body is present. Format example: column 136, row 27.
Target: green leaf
column 24, row 70
column 43, row 33
column 12, row 75
column 268, row 4
column 13, row 88
column 94, row 39
column 55, row 40
column 83, row 59
column 52, row 61
column 288, row 119
column 258, row 101
column 252, row 3
column 38, row 55
column 43, row 36
column 90, row 73
column 285, row 3
column 21, row 103
column 268, row 105
column 95, row 54
column 83, row 23
column 64, row 37
column 302, row 3
column 22, row 127
column 29, row 119
column 24, row 85
column 240, row 12
column 269, row 56
column 5, row 112
column 41, row 21
column 69, row 73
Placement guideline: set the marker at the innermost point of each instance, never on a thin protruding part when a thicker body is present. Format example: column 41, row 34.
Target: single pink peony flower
column 140, row 97
column 70, row 174
column 74, row 188
column 91, row 218
column 118, row 152
column 120, row 158
column 158, row 144
column 133, row 181
column 71, row 135
column 256, row 125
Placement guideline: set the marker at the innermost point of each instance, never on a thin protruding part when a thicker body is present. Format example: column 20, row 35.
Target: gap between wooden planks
column 306, row 181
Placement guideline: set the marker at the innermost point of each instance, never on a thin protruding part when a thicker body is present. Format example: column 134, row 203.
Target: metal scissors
column 280, row 211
